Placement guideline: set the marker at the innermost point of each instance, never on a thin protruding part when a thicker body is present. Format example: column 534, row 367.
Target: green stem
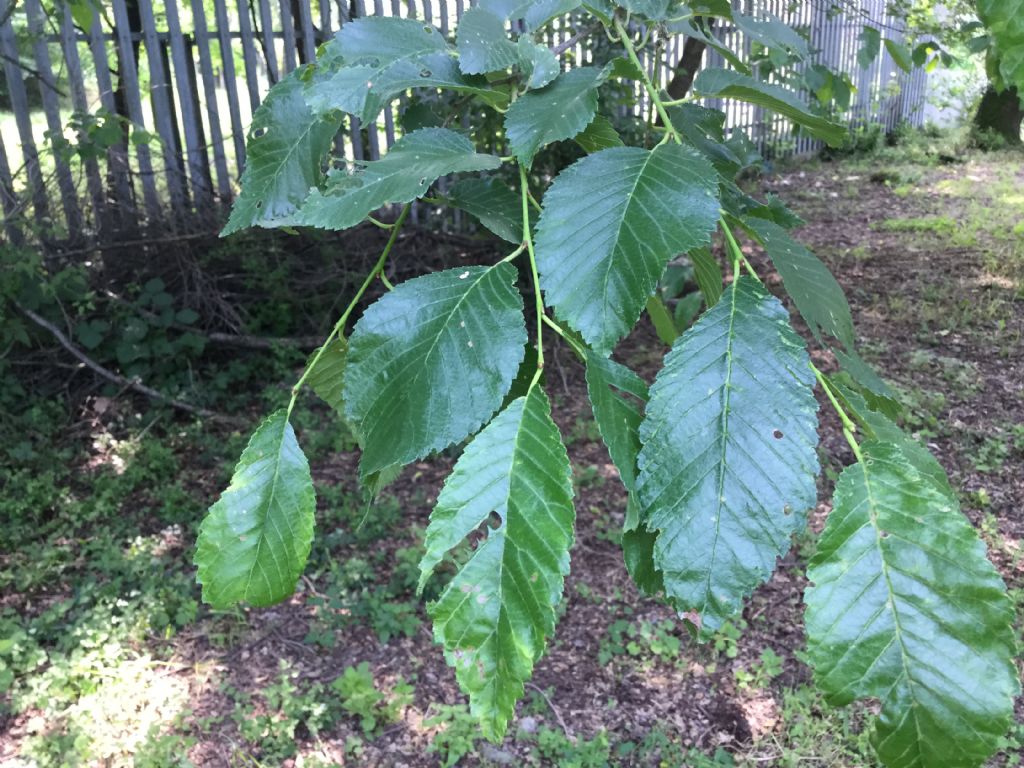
column 849, row 428
column 648, row 85
column 340, row 325
column 528, row 240
column 557, row 328
column 738, row 256
column 514, row 253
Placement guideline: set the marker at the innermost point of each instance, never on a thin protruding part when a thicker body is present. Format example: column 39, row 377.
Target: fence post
column 9, row 200
column 129, row 75
column 51, row 108
column 69, row 43
column 202, row 38
column 19, row 103
column 184, row 77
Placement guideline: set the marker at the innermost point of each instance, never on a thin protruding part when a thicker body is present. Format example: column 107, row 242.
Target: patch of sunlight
column 117, row 717
column 989, row 280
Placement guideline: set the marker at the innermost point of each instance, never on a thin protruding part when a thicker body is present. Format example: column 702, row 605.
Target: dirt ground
column 935, row 277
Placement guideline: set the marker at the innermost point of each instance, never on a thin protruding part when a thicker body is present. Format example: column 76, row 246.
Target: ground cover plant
column 718, row 456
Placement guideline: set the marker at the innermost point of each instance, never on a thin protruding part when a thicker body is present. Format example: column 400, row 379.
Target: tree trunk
column 686, row 68
column 1000, row 113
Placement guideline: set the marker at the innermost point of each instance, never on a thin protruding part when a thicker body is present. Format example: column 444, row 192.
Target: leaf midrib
column 897, row 627
column 269, row 502
column 727, row 389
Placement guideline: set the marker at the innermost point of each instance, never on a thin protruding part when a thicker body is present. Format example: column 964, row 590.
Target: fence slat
column 161, row 98
column 227, row 59
column 9, row 200
column 288, row 30
column 19, row 103
column 51, row 109
column 248, row 55
column 76, row 82
column 269, row 47
column 184, row 77
column 308, row 37
column 202, row 37
column 120, row 191
column 134, row 100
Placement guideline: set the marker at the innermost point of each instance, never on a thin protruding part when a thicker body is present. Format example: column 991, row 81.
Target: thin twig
column 106, row 373
column 561, row 48
column 554, row 710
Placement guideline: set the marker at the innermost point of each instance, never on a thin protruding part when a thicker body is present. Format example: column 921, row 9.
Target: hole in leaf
column 494, row 521
column 777, row 434
column 425, row 73
column 258, row 133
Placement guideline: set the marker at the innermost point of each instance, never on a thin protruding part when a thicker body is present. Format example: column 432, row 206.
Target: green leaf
column 325, row 378
column 814, row 290
column 880, row 427
column 284, row 154
column 871, row 45
column 537, row 62
column 497, row 612
column 704, row 129
column 906, row 608
column 692, row 27
column 430, row 361
column 1004, row 21
column 254, row 541
column 540, row 12
column 655, row 10
column 81, row 12
column 661, row 319
column 617, row 396
column 556, row 112
column 483, row 44
column 728, row 464
column 610, row 224
column 863, row 374
column 373, row 59
column 415, row 162
column 772, row 33
column 900, row 54
column 494, row 203
column 708, row 274
column 600, row 134
column 721, row 83
column 638, row 554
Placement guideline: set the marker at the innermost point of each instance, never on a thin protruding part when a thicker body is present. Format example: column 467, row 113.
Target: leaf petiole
column 528, row 241
column 378, row 269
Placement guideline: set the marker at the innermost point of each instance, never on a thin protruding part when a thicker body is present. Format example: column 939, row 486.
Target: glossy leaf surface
column 415, row 162
column 906, row 608
column 284, row 154
column 254, row 541
column 728, row 464
column 496, row 614
column 430, row 362
column 609, row 225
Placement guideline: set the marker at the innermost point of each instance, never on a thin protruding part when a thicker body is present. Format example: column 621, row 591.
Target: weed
column 760, row 675
column 644, row 640
column 457, row 734
column 360, row 697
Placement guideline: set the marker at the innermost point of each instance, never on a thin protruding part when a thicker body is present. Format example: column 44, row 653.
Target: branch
column 109, row 375
column 561, row 48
